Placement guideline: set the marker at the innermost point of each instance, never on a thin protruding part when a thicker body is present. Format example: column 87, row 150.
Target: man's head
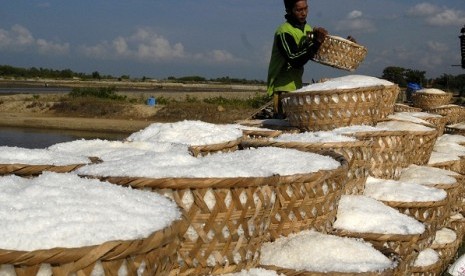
column 297, row 8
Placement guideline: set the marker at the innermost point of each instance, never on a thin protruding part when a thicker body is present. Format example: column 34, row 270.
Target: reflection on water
column 42, row 138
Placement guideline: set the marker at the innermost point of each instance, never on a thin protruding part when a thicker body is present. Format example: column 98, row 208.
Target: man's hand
column 351, row 38
column 319, row 34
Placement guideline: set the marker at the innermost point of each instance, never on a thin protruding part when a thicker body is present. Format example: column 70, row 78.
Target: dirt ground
column 50, row 111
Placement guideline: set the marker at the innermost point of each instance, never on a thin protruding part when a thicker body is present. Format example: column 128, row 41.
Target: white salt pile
column 15, row 155
column 426, row 258
column 261, row 162
column 113, row 150
column 457, row 267
column 403, row 126
column 314, row 137
column 254, row 272
column 413, row 117
column 426, row 175
column 64, row 210
column 397, row 191
column 316, row 252
column 353, row 211
column 188, row 132
column 345, row 82
column 440, row 157
column 451, row 138
column 430, row 91
column 444, row 236
column 358, row 128
column 460, row 125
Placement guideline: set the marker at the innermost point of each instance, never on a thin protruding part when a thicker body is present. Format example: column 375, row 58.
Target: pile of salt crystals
column 313, row 137
column 414, row 117
column 191, row 133
column 353, row 211
column 460, row 125
column 426, row 257
column 312, row 251
column 345, row 82
column 17, row 155
column 404, row 126
column 431, row 91
column 260, row 162
column 113, row 150
column 443, row 237
column 447, row 148
column 426, row 175
column 254, row 272
column 64, row 210
column 398, row 191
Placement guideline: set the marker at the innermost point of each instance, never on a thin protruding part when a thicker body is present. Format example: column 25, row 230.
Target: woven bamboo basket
column 407, row 247
column 438, row 122
column 433, row 214
column 420, row 146
column 447, row 252
column 454, row 113
column 454, row 192
column 340, row 53
column 34, row 170
column 308, row 201
column 224, row 220
column 202, row 150
column 430, row 100
column 435, row 269
column 398, row 107
column 388, row 100
column 460, row 207
column 458, row 225
column 154, row 255
column 451, row 165
column 260, row 134
column 327, row 110
column 357, row 154
column 293, row 272
column 454, row 130
column 389, row 155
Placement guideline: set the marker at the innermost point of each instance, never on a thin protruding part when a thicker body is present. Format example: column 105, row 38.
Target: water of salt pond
column 41, row 138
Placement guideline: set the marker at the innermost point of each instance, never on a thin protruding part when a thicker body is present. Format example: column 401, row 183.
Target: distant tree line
column 402, row 76
column 33, row 72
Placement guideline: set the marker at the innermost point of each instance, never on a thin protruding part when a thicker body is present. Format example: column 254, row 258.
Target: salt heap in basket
column 226, row 198
column 338, row 102
column 72, row 225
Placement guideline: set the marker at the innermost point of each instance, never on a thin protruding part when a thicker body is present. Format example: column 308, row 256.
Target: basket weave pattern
column 406, row 246
column 420, row 146
column 405, row 108
column 357, row 154
column 155, row 255
column 308, row 201
column 327, row 110
column 34, row 170
column 202, row 150
column 453, row 113
column 429, row 100
column 340, row 53
column 389, row 97
column 224, row 220
column 447, row 251
column 388, row 152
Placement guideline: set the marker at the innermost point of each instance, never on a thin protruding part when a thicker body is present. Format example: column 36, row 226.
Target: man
column 295, row 42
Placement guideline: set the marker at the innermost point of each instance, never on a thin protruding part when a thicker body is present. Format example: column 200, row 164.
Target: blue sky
column 218, row 38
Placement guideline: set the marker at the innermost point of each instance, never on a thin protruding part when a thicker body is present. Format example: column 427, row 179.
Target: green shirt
column 289, row 54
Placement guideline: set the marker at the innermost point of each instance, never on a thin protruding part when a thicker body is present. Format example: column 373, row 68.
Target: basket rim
column 334, row 91
column 378, row 236
column 416, row 204
column 290, row 271
column 107, row 251
column 305, row 145
column 178, row 183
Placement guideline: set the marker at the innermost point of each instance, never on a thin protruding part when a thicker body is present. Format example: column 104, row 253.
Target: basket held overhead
column 340, row 53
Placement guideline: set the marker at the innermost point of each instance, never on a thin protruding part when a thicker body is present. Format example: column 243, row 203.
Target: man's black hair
column 289, row 5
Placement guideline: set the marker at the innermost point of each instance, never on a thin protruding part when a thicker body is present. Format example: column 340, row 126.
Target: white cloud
column 19, row 38
column 145, row 45
column 438, row 16
column 423, row 9
column 437, row 46
column 355, row 22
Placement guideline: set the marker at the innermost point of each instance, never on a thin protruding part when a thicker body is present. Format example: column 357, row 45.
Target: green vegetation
column 402, row 76
column 101, row 92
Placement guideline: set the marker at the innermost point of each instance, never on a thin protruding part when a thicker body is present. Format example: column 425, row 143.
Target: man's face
column 300, row 11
